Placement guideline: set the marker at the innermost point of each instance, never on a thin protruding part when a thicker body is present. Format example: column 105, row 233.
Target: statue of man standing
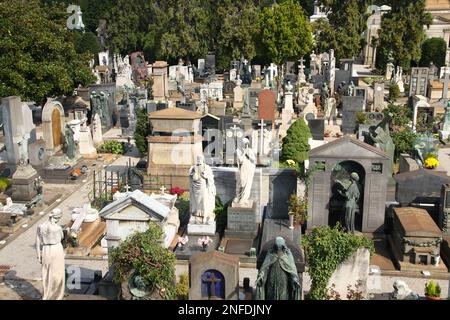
column 202, row 192
column 247, row 164
column 50, row 254
column 278, row 278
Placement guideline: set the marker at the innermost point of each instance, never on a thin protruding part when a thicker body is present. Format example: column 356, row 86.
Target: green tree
column 295, row 144
column 187, row 33
column 402, row 33
column 285, row 32
column 87, row 42
column 143, row 130
column 235, row 30
column 144, row 254
column 343, row 32
column 401, row 116
column 127, row 26
column 433, row 50
column 37, row 54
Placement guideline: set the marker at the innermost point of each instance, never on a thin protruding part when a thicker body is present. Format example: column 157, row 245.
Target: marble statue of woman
column 50, row 254
column 202, row 192
column 278, row 278
column 247, row 164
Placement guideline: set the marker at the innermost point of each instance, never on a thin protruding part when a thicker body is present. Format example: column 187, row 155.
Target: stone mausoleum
column 332, row 166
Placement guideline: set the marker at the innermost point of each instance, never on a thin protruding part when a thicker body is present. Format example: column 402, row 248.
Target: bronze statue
column 278, row 278
column 70, row 143
column 352, row 195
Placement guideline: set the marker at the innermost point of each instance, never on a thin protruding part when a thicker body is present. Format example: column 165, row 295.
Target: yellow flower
column 431, row 163
column 290, row 163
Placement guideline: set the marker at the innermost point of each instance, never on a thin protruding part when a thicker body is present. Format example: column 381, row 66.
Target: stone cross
column 163, row 190
column 261, row 139
column 272, row 71
column 445, row 81
column 211, row 281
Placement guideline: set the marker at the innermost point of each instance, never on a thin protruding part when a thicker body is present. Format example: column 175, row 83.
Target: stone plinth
column 242, row 221
column 202, row 229
column 23, row 183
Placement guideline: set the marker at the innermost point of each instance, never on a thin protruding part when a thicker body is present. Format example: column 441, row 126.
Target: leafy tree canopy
column 37, row 54
column 285, row 31
column 402, row 33
column 434, row 51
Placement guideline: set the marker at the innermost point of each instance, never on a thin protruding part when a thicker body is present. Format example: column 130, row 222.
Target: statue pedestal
column 201, row 229
column 443, row 135
column 23, row 183
column 242, row 223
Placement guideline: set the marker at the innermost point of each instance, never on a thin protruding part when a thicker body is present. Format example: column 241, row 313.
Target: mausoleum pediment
column 349, row 148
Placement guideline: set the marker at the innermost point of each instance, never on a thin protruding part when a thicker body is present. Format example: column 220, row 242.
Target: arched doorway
column 213, row 285
column 340, row 180
column 56, row 127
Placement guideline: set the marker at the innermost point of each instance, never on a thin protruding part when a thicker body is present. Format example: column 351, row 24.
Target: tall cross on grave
column 211, row 282
column 261, row 138
column 163, row 189
column 445, row 81
column 301, row 63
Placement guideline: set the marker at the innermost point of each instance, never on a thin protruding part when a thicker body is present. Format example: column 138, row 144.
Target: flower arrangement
column 431, row 163
column 291, row 163
column 176, row 190
column 204, row 242
column 183, row 240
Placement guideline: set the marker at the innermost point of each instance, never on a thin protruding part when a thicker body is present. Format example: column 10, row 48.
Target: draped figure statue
column 278, row 278
column 50, row 254
column 247, row 164
column 202, row 192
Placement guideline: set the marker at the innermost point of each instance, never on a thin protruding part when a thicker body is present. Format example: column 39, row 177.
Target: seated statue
column 278, row 278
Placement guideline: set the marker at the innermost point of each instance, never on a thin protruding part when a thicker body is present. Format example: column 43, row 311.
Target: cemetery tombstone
column 267, row 105
column 213, row 276
column 317, row 127
column 53, row 124
column 418, row 81
column 350, row 107
column 138, row 67
column 378, row 97
column 335, row 161
column 18, row 128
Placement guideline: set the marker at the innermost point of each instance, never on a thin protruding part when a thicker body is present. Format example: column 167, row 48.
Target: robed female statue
column 278, row 278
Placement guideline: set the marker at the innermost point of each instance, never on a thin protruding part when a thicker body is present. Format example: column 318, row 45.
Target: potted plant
column 204, row 242
column 432, row 291
column 298, row 210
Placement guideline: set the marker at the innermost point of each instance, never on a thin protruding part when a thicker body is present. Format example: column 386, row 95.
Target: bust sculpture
column 288, row 87
column 352, row 195
column 50, row 254
column 278, row 278
column 202, row 192
column 246, row 160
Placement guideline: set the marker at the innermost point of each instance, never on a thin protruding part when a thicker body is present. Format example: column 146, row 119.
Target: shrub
column 432, row 289
column 143, row 130
column 361, row 118
column 143, row 252
column 182, row 288
column 325, row 249
column 5, row 183
column 394, row 92
column 295, row 144
column 114, row 147
column 433, row 50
